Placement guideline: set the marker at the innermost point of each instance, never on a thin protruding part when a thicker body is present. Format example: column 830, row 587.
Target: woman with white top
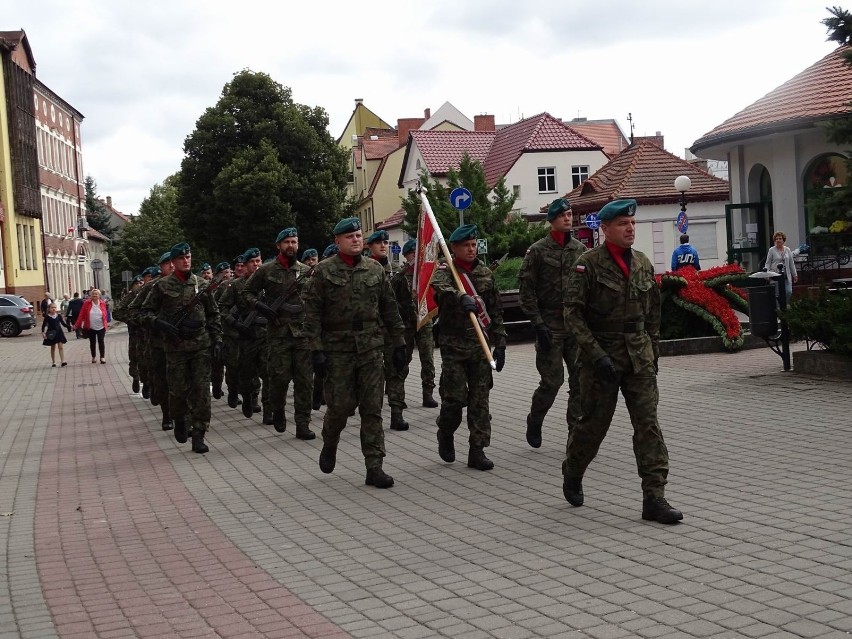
column 778, row 255
column 93, row 320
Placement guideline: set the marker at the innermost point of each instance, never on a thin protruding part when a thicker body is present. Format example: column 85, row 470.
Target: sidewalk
column 111, row 529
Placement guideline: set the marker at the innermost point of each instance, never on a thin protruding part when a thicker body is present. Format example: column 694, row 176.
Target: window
column 516, row 191
column 579, row 174
column 547, row 179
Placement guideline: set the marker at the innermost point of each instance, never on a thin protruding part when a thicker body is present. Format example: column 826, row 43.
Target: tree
column 258, row 162
column 97, row 215
column 496, row 220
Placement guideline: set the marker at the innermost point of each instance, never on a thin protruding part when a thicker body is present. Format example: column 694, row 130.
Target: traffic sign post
column 481, row 246
column 461, row 199
column 593, row 222
column 682, row 222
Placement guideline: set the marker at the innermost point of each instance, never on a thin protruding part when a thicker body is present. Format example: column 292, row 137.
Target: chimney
column 359, row 101
column 404, row 125
column 484, row 123
column 427, row 113
column 109, row 201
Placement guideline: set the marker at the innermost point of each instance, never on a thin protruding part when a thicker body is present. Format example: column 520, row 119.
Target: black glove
column 399, row 358
column 319, row 360
column 544, row 336
column 162, row 326
column 218, row 352
column 500, row 358
column 605, row 369
column 264, row 310
column 468, row 304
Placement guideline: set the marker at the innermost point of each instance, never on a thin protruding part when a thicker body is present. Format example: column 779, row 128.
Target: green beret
column 165, row 257
column 330, row 250
column 377, row 236
column 156, row 271
column 463, row 233
column 138, row 278
column 309, row 254
column 221, row 266
column 347, row 225
column 615, row 208
column 205, row 267
column 409, row 246
column 179, row 249
column 250, row 254
column 239, row 259
column 557, row 208
column 288, row 232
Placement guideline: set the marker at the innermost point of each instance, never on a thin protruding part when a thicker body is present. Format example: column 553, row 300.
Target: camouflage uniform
column 153, row 358
column 402, row 284
column 611, row 315
column 394, row 380
column 188, row 357
column 466, row 378
column 288, row 356
column 543, row 288
column 134, row 343
column 231, row 341
column 346, row 308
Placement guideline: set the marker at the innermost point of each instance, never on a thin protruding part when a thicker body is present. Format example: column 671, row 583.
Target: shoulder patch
column 580, row 268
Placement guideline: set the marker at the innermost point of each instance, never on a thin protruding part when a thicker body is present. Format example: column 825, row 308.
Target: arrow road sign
column 592, row 221
column 461, row 198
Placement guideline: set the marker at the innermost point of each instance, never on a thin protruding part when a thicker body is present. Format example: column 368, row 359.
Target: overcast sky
column 142, row 73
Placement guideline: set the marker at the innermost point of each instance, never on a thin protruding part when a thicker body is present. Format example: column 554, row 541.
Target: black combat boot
column 268, row 416
column 378, row 478
column 198, row 445
column 572, row 488
column 180, row 431
column 328, row 458
column 533, row 433
column 317, row 400
column 155, row 401
column 217, row 391
column 476, row 459
column 146, row 391
column 135, row 385
column 446, row 446
column 659, row 510
column 279, row 421
column 233, row 398
column 167, row 421
column 305, row 432
column 255, row 404
column 248, row 410
column 397, row 422
column 428, row 400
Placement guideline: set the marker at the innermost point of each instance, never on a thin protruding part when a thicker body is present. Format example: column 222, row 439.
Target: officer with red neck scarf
column 613, row 310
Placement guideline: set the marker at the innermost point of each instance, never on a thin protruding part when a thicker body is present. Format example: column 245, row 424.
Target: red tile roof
column 443, row 150
column 392, row 222
column 646, row 173
column 824, row 90
column 607, row 133
column 377, row 149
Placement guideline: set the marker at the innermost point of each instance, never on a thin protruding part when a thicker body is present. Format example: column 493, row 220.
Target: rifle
column 182, row 319
column 281, row 303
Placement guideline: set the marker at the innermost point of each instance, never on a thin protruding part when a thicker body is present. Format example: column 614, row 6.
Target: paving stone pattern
column 252, row 540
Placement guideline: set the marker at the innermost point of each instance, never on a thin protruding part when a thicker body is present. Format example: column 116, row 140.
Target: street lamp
column 682, row 184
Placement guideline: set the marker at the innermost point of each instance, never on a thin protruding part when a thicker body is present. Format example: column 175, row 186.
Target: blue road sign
column 682, row 222
column 396, row 249
column 461, row 198
column 592, row 221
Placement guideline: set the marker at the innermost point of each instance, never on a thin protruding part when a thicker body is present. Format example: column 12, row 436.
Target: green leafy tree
column 258, row 162
column 97, row 215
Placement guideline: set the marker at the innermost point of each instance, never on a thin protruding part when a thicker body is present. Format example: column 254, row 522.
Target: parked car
column 16, row 315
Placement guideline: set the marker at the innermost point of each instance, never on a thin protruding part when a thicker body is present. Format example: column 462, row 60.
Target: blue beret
column 330, row 250
column 309, row 254
column 250, row 254
column 221, row 266
column 179, row 249
column 557, row 208
column 347, row 225
column 409, row 246
column 165, row 257
column 288, row 232
column 377, row 236
column 616, row 208
column 463, row 233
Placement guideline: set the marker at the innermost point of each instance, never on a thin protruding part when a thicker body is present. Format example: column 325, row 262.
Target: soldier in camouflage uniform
column 120, row 313
column 378, row 244
column 288, row 356
column 181, row 310
column 612, row 308
column 206, row 272
column 543, row 285
column 310, row 257
column 318, row 399
column 423, row 338
column 465, row 373
column 221, row 275
column 139, row 337
column 348, row 305
column 230, row 334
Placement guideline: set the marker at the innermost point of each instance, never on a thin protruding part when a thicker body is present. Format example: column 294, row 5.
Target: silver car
column 16, row 315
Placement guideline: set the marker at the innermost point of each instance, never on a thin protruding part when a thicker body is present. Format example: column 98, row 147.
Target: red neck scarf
column 381, row 259
column 558, row 237
column 618, row 253
column 182, row 276
column 464, row 265
column 349, row 260
column 284, row 261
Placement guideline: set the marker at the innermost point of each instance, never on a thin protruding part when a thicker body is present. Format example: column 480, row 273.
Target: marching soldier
column 612, row 308
column 273, row 292
column 310, row 257
column 465, row 373
column 222, row 275
column 348, row 305
column 120, row 313
column 319, row 395
column 205, row 272
column 423, row 338
column 230, row 333
column 543, row 286
column 180, row 309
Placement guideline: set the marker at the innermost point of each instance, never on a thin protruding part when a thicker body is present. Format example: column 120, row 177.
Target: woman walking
column 53, row 335
column 782, row 255
column 93, row 321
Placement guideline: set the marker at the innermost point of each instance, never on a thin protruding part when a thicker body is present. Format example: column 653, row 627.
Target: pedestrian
column 45, row 303
column 108, row 301
column 543, row 283
column 347, row 305
column 781, row 256
column 63, row 305
column 53, row 335
column 310, row 257
column 685, row 255
column 466, row 378
column 74, row 308
column 93, row 321
column 274, row 292
column 181, row 310
column 613, row 310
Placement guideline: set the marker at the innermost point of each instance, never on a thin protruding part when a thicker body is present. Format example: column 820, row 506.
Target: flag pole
column 421, row 191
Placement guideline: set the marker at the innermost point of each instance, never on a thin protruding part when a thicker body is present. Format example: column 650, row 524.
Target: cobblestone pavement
column 111, row 529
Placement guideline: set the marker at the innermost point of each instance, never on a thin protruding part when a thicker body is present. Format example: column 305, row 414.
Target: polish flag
column 425, row 261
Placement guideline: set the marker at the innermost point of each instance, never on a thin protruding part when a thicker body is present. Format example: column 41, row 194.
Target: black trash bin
column 763, row 319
